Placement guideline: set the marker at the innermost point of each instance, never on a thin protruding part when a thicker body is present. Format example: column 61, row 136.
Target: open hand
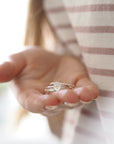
column 32, row 70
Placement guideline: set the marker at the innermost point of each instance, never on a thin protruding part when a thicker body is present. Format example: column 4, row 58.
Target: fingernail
column 83, row 102
column 51, row 107
column 71, row 104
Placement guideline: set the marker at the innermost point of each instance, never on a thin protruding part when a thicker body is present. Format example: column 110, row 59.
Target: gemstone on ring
column 57, row 85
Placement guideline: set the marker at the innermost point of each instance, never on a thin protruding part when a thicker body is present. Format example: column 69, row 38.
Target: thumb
column 10, row 69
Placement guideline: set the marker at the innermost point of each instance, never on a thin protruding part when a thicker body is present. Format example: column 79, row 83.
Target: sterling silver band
column 56, row 86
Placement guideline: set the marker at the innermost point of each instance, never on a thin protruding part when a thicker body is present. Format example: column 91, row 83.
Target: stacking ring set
column 56, row 86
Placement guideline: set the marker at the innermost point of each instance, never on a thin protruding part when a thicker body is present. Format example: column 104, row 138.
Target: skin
column 32, row 70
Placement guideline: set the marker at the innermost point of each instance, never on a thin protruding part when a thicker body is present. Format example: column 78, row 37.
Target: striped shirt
column 86, row 28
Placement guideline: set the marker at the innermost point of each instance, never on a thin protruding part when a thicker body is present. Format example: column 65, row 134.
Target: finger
column 66, row 95
column 34, row 101
column 10, row 69
column 86, row 90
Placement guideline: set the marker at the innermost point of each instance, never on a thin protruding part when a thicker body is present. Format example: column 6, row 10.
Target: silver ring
column 56, row 86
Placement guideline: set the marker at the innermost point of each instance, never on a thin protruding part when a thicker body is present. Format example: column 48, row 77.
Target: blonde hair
column 38, row 29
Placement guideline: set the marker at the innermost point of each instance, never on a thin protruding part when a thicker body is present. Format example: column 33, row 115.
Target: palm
column 39, row 70
column 43, row 67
